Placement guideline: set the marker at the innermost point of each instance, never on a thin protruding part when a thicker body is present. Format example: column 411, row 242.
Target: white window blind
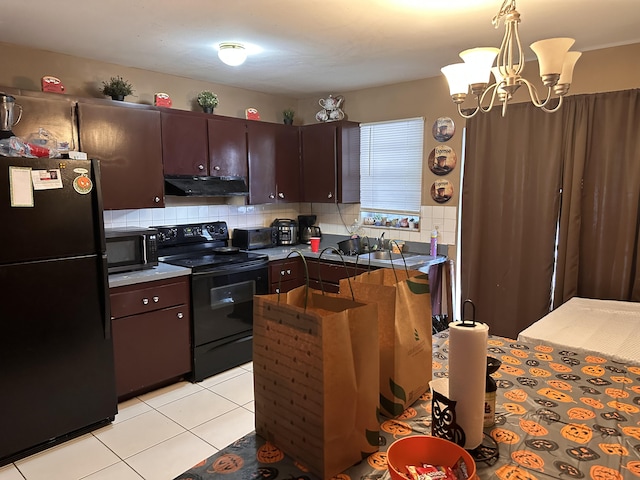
column 391, row 165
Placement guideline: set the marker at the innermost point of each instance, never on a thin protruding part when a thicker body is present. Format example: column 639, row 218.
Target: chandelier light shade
column 232, row 53
column 506, row 64
column 478, row 62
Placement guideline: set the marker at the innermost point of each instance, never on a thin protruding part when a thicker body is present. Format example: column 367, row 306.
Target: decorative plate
column 442, row 160
column 443, row 129
column 442, row 191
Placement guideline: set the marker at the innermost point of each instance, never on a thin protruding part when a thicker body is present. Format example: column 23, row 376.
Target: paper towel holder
column 472, row 322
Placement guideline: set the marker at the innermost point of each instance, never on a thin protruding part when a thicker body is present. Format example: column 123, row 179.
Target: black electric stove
column 202, row 247
column 224, row 281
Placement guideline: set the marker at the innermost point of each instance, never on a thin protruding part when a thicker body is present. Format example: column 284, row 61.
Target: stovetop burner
column 201, row 246
column 203, row 260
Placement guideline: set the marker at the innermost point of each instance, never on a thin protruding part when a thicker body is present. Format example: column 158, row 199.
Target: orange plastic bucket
column 419, row 449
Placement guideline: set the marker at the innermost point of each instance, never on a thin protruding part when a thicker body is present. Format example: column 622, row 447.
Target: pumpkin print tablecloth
column 560, row 413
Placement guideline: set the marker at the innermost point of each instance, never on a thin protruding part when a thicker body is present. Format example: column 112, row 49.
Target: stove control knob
column 166, row 234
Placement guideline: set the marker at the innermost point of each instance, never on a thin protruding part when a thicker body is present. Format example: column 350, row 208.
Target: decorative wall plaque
column 442, row 191
column 442, row 160
column 443, row 129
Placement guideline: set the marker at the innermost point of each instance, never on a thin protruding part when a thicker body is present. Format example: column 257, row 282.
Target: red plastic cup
column 315, row 244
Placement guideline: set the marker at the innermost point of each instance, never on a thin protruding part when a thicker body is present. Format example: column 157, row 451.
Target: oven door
column 222, row 315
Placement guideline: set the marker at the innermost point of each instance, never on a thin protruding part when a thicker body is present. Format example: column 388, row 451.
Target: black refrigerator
column 56, row 354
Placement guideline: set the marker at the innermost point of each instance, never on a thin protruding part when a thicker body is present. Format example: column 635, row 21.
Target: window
column 391, row 167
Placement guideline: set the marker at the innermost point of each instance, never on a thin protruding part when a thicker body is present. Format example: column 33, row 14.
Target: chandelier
column 554, row 58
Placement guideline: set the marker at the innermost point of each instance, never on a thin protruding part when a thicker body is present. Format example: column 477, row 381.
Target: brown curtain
column 599, row 222
column 510, row 204
column 530, row 173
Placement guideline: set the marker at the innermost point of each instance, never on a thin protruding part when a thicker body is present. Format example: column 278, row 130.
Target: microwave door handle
column 144, row 250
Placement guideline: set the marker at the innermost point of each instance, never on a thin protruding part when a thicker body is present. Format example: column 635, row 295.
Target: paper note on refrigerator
column 20, row 187
column 46, row 179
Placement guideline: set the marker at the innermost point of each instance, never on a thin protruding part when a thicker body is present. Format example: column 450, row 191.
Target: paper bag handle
column 306, row 277
column 335, row 250
column 393, row 267
column 401, row 256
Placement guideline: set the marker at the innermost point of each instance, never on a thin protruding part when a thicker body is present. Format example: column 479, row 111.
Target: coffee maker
column 307, row 228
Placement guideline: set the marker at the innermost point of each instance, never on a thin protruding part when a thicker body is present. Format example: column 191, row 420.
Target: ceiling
column 308, row 47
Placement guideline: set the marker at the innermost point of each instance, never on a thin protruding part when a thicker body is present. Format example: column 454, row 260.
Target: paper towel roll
column 467, row 376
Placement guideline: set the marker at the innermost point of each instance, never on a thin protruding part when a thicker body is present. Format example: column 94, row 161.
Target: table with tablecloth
column 560, row 413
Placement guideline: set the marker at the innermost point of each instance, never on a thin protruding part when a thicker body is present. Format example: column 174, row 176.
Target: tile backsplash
column 332, row 218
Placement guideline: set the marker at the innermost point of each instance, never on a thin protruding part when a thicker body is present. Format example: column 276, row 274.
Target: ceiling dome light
column 232, row 53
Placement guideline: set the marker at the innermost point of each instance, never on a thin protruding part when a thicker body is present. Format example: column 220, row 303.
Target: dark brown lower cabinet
column 326, row 275
column 285, row 275
column 289, row 273
column 151, row 335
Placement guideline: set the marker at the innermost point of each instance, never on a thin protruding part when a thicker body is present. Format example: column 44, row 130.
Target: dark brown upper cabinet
column 227, row 147
column 185, row 144
column 274, row 164
column 331, row 162
column 127, row 140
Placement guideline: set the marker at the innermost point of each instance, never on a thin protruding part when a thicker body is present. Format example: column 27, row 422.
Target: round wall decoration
column 442, row 160
column 443, row 129
column 442, row 191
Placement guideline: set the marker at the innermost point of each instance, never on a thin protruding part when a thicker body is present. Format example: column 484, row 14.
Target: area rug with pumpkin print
column 560, row 414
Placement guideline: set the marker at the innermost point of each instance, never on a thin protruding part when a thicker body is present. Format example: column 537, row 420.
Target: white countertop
column 413, row 261
column 161, row 272
column 164, row 270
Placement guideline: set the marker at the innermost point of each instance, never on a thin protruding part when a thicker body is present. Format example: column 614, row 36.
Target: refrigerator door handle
column 107, row 304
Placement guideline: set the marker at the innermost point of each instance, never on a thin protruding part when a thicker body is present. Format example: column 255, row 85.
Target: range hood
column 199, row 186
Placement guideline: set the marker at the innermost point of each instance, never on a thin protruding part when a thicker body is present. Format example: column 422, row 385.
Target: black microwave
column 131, row 248
column 254, row 238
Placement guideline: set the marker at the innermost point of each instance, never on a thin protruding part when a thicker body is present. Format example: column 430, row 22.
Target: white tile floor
column 155, row 436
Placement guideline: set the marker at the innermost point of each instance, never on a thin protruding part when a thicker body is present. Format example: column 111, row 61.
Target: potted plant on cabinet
column 208, row 101
column 288, row 116
column 117, row 88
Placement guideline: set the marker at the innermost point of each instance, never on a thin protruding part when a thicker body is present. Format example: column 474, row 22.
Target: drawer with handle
column 132, row 299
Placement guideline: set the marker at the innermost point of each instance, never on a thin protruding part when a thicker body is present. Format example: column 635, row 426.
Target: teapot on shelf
column 331, row 103
column 331, row 109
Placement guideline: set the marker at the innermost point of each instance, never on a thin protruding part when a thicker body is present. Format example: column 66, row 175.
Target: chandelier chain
column 508, row 6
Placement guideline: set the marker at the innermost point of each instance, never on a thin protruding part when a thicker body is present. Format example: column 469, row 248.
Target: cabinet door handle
column 288, row 272
column 155, row 299
column 272, row 196
column 281, row 195
column 156, row 199
column 217, row 167
column 277, row 290
column 180, row 315
column 145, row 301
column 330, row 195
column 200, row 167
column 281, row 272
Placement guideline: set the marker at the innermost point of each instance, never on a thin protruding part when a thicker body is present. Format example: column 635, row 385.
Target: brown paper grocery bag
column 316, row 378
column 404, row 325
